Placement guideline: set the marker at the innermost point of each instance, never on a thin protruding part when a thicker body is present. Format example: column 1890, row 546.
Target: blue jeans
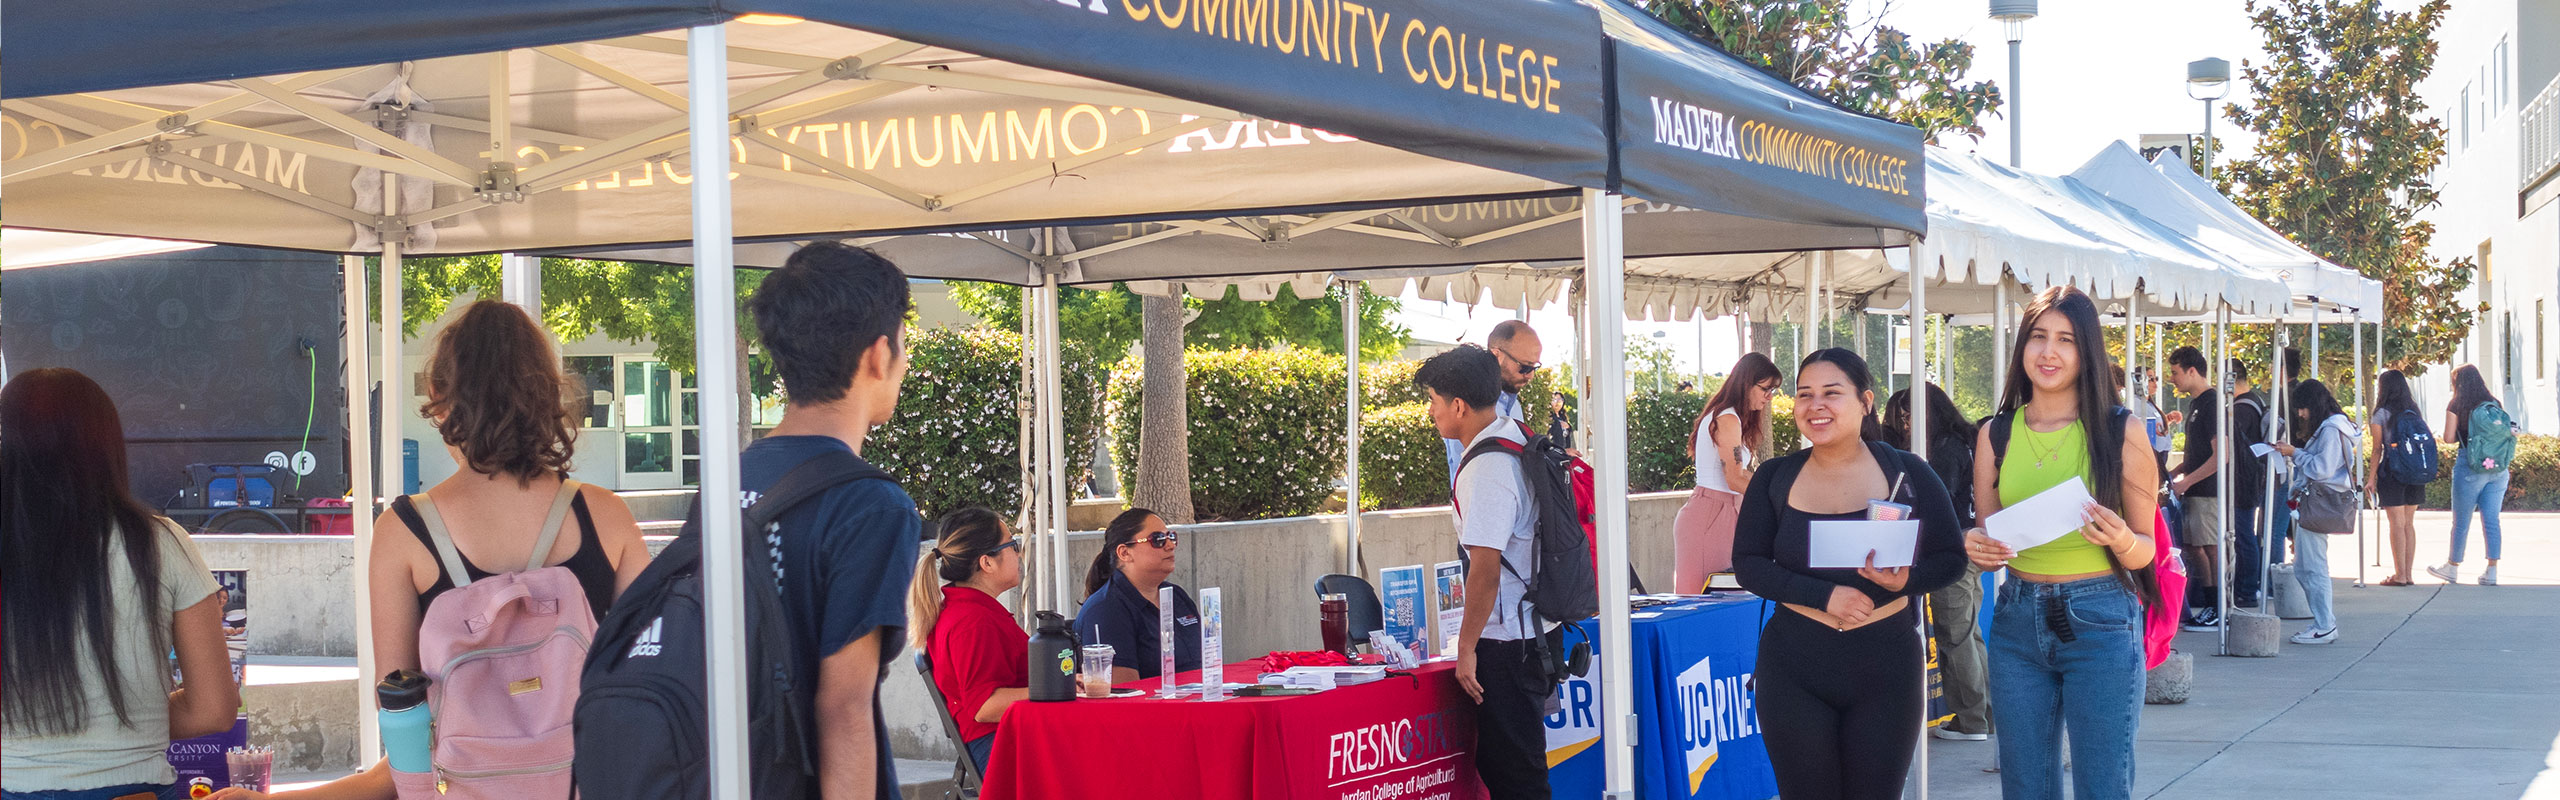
column 2092, row 685
column 102, row 793
column 2311, row 569
column 2487, row 492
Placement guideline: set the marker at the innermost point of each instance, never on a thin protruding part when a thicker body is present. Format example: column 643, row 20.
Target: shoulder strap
column 810, row 479
column 551, row 524
column 2000, row 424
column 441, row 540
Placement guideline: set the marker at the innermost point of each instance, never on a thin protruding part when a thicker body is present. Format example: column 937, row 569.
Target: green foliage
column 1865, row 66
column 1658, row 429
column 955, row 441
column 1784, row 437
column 2345, row 156
column 2533, row 482
column 1390, row 383
column 1403, row 461
column 626, row 302
column 1107, row 319
column 1265, row 428
column 1651, row 365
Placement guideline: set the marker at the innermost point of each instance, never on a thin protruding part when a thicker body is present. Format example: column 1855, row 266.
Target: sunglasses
column 1163, row 540
column 1009, row 544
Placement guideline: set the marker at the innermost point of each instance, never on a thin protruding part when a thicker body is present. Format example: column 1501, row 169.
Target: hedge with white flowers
column 954, row 441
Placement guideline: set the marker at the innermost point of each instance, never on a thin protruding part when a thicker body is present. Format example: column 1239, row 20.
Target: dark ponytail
column 1123, row 530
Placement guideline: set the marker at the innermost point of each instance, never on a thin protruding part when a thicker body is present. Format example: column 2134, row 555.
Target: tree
column 1164, row 424
column 1863, row 65
column 1651, row 366
column 2345, row 148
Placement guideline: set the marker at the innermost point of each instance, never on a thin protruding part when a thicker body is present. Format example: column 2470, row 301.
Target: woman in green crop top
column 2066, row 641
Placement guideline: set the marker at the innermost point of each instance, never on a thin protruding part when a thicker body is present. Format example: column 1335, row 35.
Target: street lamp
column 2013, row 16
column 2208, row 79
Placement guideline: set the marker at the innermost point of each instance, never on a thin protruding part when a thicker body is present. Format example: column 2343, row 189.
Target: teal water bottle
column 407, row 724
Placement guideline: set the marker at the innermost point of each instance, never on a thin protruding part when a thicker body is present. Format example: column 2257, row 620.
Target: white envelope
column 2049, row 515
column 1844, row 544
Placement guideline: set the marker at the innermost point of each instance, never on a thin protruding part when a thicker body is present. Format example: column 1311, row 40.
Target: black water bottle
column 1053, row 659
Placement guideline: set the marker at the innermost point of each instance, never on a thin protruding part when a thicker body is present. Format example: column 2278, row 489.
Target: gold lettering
column 1249, row 17
column 1171, row 21
column 1547, row 72
column 1067, row 130
column 1378, row 22
column 1445, row 74
column 1287, row 44
column 888, row 142
column 1032, row 143
column 917, row 155
column 1319, row 30
column 1404, row 45
column 1137, row 10
column 1502, row 60
column 282, row 172
column 978, row 150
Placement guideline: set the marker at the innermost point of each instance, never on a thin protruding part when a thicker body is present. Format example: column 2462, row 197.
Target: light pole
column 2013, row 16
column 2208, row 79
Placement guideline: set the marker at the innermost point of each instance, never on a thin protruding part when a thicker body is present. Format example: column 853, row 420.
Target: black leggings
column 1839, row 711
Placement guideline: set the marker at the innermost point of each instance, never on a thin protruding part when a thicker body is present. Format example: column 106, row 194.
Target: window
column 2466, row 118
column 2506, row 98
column 591, row 389
column 2541, row 356
column 2507, row 349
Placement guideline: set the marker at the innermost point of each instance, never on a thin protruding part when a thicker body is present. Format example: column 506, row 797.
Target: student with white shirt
column 1730, row 428
column 1498, row 662
column 1516, row 350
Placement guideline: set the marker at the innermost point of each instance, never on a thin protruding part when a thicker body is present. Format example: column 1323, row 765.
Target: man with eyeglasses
column 1516, row 349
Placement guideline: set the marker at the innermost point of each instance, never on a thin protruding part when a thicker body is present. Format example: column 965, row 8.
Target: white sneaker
column 2449, row 573
column 1953, row 735
column 2316, row 636
column 2489, row 577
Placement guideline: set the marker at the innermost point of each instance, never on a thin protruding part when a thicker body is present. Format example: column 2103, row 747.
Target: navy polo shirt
column 1125, row 618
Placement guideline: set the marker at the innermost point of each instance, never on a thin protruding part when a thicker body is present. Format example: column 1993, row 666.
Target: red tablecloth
column 1402, row 738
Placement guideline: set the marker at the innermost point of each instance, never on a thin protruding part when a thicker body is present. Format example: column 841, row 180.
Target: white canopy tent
column 518, row 126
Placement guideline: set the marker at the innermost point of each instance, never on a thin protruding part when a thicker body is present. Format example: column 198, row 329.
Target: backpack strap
column 2000, row 424
column 439, row 539
column 551, row 524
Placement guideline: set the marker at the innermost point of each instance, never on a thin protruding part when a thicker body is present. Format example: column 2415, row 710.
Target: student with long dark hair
column 2475, row 485
column 2326, row 460
column 2399, row 501
column 1840, row 666
column 953, row 617
column 1730, row 428
column 1120, row 599
column 2066, row 629
column 100, row 590
column 1953, row 611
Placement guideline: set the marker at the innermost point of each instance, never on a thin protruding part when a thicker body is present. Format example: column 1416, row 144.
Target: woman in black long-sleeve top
column 1839, row 674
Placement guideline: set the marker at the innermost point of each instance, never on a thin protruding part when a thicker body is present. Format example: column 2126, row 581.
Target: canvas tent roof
column 894, row 119
column 2166, row 191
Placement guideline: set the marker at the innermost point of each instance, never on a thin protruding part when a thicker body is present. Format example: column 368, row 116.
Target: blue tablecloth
column 1700, row 737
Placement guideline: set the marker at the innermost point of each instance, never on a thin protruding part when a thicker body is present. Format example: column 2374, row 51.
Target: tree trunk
column 1761, row 334
column 1164, row 418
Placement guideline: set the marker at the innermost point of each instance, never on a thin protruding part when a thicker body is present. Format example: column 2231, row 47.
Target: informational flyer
column 1400, row 604
column 198, row 761
column 1449, row 604
column 1213, row 658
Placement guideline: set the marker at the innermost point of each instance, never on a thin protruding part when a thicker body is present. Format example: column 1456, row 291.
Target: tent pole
column 2312, row 369
column 1604, row 275
column 1033, row 514
column 2356, row 331
column 1053, row 422
column 2268, row 517
column 520, row 282
column 715, row 313
column 391, row 472
column 1919, row 399
column 2132, row 323
column 360, row 489
column 1351, row 425
column 2226, row 490
column 1999, row 338
column 2159, row 368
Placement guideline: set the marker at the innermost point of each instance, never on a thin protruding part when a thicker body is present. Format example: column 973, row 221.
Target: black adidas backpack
column 641, row 724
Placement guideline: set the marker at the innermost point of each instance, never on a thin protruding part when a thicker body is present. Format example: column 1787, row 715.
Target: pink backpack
column 2160, row 621
column 504, row 655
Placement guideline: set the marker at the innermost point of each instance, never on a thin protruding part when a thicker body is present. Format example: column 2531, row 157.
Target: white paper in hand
column 2261, row 450
column 1844, row 544
column 2049, row 515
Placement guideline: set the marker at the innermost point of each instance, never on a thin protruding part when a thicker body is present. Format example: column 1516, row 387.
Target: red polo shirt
column 976, row 649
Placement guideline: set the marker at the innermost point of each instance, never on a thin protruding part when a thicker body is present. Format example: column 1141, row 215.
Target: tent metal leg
column 361, row 492
column 1919, row 399
column 2355, row 331
column 2269, row 516
column 2222, row 474
column 390, row 469
column 715, row 313
column 1053, row 444
column 1351, row 425
column 1604, row 275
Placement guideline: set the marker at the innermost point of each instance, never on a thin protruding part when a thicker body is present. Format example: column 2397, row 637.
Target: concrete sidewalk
column 2431, row 691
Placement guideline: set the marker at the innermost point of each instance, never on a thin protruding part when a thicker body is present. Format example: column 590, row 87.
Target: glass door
column 649, row 395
